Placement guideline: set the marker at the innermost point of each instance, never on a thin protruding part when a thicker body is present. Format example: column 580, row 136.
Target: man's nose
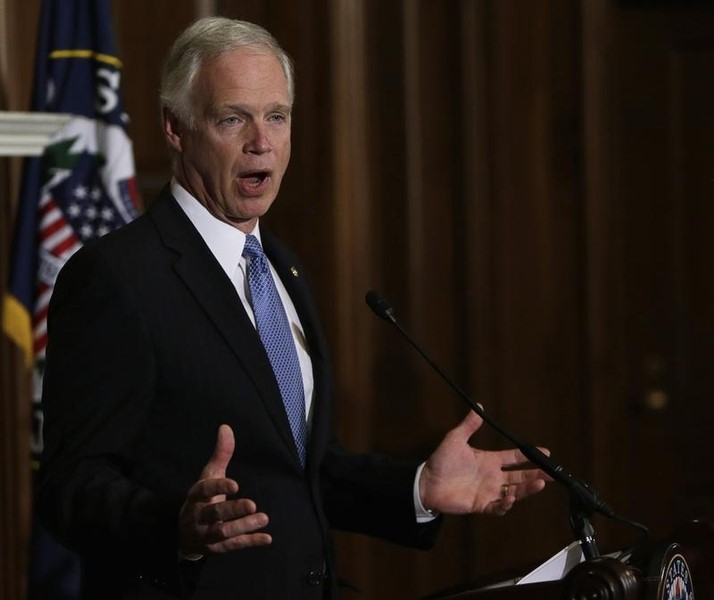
column 258, row 141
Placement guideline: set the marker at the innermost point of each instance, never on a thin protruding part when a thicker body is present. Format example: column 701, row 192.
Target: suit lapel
column 290, row 273
column 214, row 292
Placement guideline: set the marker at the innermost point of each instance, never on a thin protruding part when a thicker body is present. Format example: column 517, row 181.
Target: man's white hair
column 204, row 40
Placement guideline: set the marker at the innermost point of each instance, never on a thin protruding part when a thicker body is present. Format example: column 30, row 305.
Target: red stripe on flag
column 52, row 228
column 64, row 245
column 40, row 343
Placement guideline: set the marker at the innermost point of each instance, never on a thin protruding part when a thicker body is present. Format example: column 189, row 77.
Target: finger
column 207, row 489
column 222, row 454
column 223, row 531
column 240, row 542
column 252, row 523
column 516, row 477
column 501, row 506
column 468, row 426
column 524, row 476
column 514, row 460
column 518, row 491
column 530, row 488
column 226, row 511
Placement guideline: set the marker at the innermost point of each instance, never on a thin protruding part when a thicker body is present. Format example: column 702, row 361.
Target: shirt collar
column 225, row 241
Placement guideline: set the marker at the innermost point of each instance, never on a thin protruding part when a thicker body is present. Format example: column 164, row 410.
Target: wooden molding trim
column 28, row 133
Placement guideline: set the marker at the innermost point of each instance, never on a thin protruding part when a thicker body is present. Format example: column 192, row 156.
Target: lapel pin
column 294, row 271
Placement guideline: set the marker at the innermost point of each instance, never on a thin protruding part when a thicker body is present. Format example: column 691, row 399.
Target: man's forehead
column 246, row 57
column 249, row 68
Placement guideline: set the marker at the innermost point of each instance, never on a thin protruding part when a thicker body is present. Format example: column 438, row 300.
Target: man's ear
column 173, row 129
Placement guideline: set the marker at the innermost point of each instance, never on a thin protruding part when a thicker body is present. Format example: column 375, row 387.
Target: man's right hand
column 208, row 521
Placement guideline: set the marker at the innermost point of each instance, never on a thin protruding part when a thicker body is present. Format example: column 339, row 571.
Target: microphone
column 584, row 500
column 380, row 306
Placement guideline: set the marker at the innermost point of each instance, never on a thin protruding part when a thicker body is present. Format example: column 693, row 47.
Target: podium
column 680, row 567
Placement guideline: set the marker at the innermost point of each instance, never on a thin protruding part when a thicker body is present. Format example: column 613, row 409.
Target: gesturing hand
column 208, row 521
column 460, row 479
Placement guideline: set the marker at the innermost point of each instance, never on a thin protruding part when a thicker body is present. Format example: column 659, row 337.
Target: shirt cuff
column 423, row 515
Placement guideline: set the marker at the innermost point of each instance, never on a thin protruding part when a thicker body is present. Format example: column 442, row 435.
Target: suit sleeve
column 97, row 389
column 373, row 494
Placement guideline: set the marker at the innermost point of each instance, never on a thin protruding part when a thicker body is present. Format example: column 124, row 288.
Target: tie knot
column 252, row 247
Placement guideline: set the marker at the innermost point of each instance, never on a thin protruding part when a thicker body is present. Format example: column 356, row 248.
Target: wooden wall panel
column 439, row 274
column 18, row 24
column 602, row 285
column 692, row 179
column 144, row 32
column 414, row 101
column 531, row 280
column 527, row 183
column 649, row 76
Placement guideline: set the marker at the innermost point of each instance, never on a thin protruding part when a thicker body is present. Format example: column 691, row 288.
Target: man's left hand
column 461, row 479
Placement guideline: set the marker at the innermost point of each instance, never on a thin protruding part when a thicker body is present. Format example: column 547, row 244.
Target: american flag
column 79, row 203
column 83, row 186
column 80, row 189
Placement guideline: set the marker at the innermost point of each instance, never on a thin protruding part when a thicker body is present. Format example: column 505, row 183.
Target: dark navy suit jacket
column 150, row 350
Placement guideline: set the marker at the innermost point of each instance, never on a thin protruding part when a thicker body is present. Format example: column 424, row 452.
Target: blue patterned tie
column 274, row 330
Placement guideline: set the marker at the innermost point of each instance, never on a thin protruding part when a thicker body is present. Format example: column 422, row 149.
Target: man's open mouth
column 254, row 179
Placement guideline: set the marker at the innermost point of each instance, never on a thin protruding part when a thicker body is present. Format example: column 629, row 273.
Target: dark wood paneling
column 648, row 246
column 532, row 320
column 415, row 104
column 19, row 22
column 528, row 183
column 144, row 33
column 462, row 145
column 692, row 179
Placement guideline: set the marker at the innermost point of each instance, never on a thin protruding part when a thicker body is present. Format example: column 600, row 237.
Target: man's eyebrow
column 248, row 110
column 240, row 108
column 281, row 107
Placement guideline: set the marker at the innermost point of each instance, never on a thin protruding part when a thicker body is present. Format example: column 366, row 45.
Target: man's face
column 234, row 158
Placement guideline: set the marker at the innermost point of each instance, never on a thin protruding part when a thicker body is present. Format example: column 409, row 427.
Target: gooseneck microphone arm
column 584, row 500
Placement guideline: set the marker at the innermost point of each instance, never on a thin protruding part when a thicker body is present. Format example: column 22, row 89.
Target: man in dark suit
column 187, row 454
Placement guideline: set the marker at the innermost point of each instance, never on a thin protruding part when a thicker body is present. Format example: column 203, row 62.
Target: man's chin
column 249, row 213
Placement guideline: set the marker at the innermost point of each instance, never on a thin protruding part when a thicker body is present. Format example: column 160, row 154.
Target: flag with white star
column 82, row 188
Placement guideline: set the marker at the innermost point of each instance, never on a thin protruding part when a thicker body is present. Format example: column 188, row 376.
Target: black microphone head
column 380, row 306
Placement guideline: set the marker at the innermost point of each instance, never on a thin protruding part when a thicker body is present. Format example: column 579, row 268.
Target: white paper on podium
column 556, row 567
column 553, row 569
